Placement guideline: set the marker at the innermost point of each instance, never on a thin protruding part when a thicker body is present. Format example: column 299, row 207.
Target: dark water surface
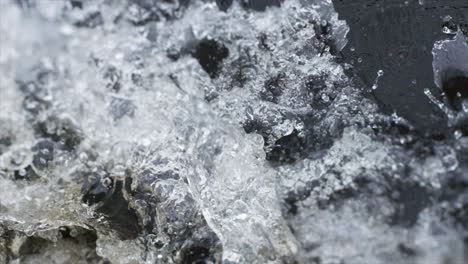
column 397, row 37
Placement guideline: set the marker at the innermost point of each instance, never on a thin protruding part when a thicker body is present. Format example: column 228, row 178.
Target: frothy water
column 180, row 133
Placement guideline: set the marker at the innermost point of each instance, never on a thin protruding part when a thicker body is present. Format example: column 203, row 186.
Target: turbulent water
column 139, row 131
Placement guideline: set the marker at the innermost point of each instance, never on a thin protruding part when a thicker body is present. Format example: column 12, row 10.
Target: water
column 397, row 36
column 176, row 132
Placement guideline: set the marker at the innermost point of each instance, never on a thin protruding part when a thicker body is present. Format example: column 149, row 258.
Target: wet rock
column 324, row 36
column 114, row 78
column 121, row 216
column 27, row 173
column 96, row 189
column 259, row 5
column 287, row 149
column 5, row 142
column 76, row 4
column 62, row 131
column 173, row 54
column 92, row 20
column 254, row 5
column 197, row 254
column 316, row 86
column 210, row 54
column 263, row 42
column 273, row 88
column 112, row 201
column 406, row 250
column 224, row 5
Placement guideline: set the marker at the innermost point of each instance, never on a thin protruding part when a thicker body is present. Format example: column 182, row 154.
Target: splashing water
column 174, row 132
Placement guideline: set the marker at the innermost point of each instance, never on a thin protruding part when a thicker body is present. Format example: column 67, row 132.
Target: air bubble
column 22, row 172
column 325, row 98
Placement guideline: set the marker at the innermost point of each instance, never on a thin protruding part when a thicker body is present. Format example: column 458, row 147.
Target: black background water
column 397, row 36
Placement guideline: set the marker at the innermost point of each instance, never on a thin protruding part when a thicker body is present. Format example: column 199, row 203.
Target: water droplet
column 380, row 73
column 465, row 105
column 106, row 182
column 51, row 127
column 441, row 105
column 83, row 156
column 119, row 56
column 325, row 98
column 299, row 126
column 22, row 172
